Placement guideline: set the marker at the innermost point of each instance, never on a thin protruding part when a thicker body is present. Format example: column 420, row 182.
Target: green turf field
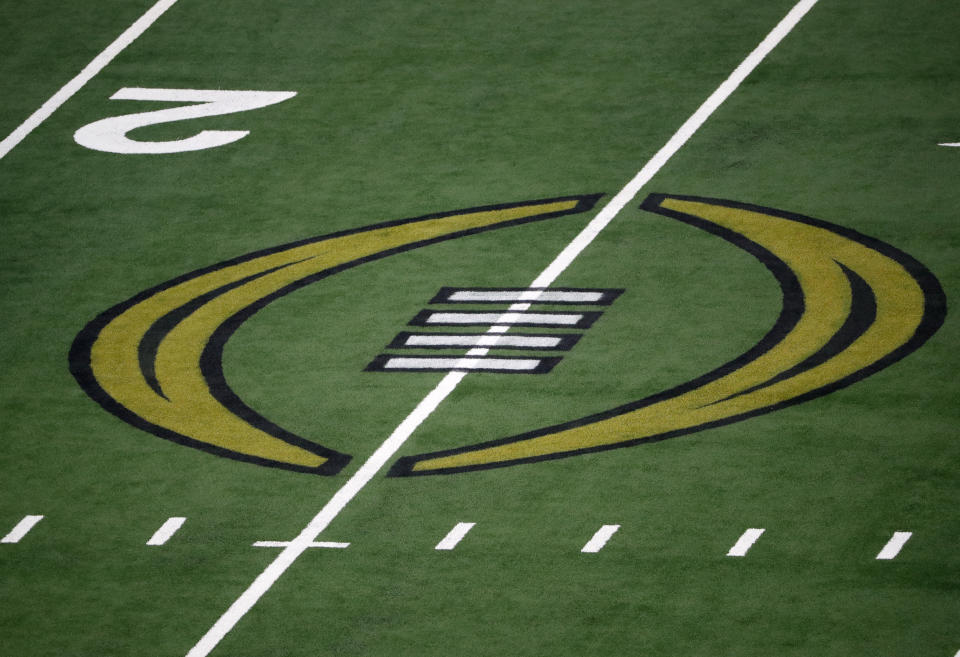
column 197, row 334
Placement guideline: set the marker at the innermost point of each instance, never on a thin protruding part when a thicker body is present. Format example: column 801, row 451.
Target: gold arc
column 105, row 357
column 816, row 255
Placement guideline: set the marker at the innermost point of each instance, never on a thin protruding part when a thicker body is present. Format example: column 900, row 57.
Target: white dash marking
column 745, row 542
column 894, row 545
column 21, row 529
column 600, row 539
column 89, row 71
column 166, row 531
column 539, row 296
column 449, row 383
column 545, row 319
column 460, row 363
column 314, row 544
column 953, row 145
column 502, row 341
column 455, row 536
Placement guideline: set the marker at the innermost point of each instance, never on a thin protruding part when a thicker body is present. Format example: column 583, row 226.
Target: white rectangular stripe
column 461, row 363
column 166, row 531
column 316, row 544
column 894, row 545
column 543, row 296
column 21, row 529
column 600, row 539
column 485, row 340
column 504, row 318
column 746, row 541
column 455, row 536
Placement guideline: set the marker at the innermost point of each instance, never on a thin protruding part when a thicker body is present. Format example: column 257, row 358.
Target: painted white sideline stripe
column 745, row 542
column 166, row 531
column 894, row 545
column 954, row 145
column 455, row 536
column 449, row 383
column 600, row 539
column 89, row 71
column 461, row 363
column 21, row 529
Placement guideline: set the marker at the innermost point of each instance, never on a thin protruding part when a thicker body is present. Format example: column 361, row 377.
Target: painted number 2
column 110, row 134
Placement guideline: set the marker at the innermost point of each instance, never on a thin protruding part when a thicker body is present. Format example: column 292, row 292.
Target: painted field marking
column 166, row 531
column 110, row 134
column 449, row 340
column 894, row 545
column 448, row 384
column 21, row 529
column 314, row 544
column 455, row 536
column 89, row 71
column 462, row 363
column 466, row 318
column 745, row 542
column 550, row 296
column 600, row 539
column 954, row 145
column 498, row 296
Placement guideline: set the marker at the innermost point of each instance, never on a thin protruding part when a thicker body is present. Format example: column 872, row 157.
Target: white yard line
column 18, row 532
column 455, row 536
column 89, row 71
column 600, row 538
column 166, row 531
column 894, row 545
column 448, row 384
column 745, row 542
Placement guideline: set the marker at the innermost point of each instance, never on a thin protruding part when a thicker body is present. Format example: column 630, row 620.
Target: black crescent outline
column 211, row 357
column 934, row 314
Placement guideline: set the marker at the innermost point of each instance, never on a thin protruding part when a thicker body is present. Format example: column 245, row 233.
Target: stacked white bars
column 496, row 337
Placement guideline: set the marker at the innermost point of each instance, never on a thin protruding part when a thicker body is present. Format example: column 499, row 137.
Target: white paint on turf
column 518, row 341
column 308, row 535
column 745, row 542
column 89, row 71
column 455, row 536
column 894, row 545
column 541, row 296
column 21, row 529
column 600, row 538
column 540, row 319
column 166, row 531
column 456, row 362
column 448, row 384
column 315, row 544
column 110, row 134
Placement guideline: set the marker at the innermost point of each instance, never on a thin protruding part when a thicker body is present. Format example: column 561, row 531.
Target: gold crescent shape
column 155, row 359
column 852, row 305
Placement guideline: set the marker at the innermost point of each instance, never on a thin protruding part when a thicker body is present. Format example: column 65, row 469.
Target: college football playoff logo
column 852, row 305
